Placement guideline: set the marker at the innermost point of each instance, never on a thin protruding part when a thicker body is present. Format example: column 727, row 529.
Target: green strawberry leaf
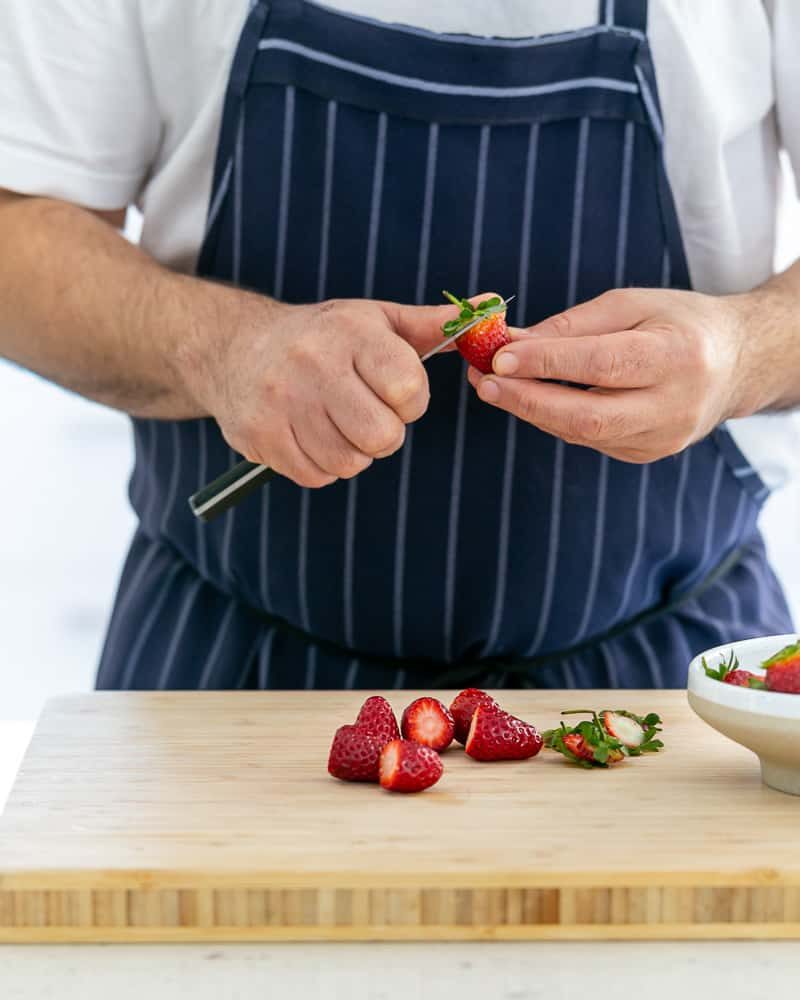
column 725, row 667
column 787, row 653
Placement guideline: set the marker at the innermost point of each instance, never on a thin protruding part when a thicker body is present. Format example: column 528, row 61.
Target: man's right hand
column 317, row 391
column 314, row 391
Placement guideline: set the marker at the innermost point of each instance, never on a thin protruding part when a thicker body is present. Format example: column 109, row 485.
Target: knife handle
column 228, row 489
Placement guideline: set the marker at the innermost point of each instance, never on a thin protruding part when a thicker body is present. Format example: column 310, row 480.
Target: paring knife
column 244, row 477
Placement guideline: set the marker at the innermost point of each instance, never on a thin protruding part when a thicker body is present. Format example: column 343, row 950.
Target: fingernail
column 489, row 391
column 506, row 363
column 473, row 375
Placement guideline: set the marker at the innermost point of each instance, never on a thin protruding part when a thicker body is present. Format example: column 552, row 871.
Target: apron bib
column 361, row 159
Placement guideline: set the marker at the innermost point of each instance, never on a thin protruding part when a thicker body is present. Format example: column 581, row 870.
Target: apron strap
column 624, row 14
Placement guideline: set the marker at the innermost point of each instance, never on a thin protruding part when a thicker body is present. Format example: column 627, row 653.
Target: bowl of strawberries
column 750, row 692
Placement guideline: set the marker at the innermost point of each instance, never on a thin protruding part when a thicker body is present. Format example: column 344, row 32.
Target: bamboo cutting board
column 149, row 817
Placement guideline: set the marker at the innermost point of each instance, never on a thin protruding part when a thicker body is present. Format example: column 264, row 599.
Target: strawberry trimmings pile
column 372, row 748
column 782, row 671
column 606, row 738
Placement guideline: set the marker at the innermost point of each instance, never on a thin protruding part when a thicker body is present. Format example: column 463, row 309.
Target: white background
column 65, row 524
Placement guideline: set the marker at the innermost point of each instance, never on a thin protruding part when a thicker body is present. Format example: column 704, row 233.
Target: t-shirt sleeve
column 785, row 18
column 78, row 116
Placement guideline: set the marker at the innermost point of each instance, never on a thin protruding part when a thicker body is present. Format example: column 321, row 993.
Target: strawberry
column 743, row 678
column 480, row 344
column 496, row 735
column 429, row 722
column 354, row 754
column 783, row 670
column 605, row 739
column 729, row 672
column 406, row 766
column 463, row 706
column 376, row 716
column 784, row 677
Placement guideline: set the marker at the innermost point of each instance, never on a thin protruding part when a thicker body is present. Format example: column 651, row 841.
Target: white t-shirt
column 114, row 103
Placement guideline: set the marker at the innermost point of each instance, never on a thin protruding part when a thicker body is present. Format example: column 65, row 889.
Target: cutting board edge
column 489, row 932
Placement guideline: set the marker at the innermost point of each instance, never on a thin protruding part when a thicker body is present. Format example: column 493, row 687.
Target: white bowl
column 766, row 722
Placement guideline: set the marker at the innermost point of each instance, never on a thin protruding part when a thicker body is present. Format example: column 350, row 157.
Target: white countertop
column 466, row 970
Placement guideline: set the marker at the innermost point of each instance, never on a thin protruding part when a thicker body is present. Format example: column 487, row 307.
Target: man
column 311, row 177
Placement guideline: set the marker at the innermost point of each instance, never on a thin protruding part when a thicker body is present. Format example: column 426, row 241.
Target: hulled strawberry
column 377, row 717
column 406, row 766
column 463, row 706
column 783, row 670
column 496, row 735
column 354, row 754
column 429, row 722
column 480, row 344
column 606, row 738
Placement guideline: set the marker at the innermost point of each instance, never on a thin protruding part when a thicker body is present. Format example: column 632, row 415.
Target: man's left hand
column 664, row 368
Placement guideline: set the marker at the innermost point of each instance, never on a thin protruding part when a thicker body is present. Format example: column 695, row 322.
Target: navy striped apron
column 358, row 158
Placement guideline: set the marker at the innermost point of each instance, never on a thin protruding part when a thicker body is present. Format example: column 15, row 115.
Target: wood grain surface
column 210, row 816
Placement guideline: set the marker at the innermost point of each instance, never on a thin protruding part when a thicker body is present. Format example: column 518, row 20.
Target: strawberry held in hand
column 480, row 344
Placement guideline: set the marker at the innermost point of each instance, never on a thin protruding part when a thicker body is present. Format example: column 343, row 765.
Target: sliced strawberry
column 496, row 735
column 429, row 722
column 463, row 707
column 628, row 731
column 376, row 716
column 354, row 754
column 479, row 344
column 406, row 766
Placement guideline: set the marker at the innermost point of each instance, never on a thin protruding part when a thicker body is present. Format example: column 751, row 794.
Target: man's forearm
column 771, row 344
column 83, row 307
